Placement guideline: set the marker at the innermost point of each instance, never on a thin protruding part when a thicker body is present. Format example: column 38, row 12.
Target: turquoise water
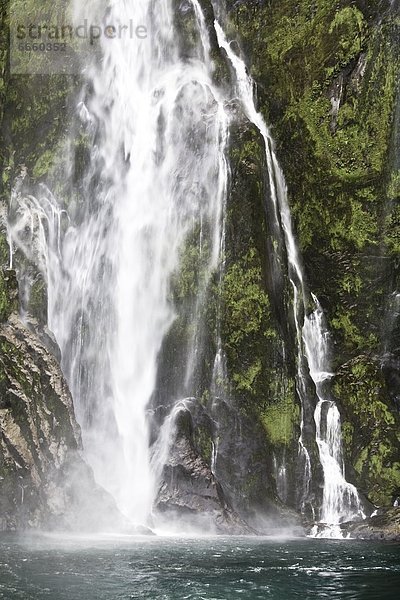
column 71, row 568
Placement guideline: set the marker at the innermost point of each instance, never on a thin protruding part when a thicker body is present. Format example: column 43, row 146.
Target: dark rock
column 45, row 335
column 140, row 530
column 244, row 468
column 189, row 491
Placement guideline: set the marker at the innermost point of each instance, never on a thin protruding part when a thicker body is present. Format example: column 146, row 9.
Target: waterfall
column 281, row 215
column 157, row 131
column 340, row 499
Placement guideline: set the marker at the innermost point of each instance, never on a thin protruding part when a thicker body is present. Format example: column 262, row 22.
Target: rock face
column 327, row 82
column 189, row 491
column 197, row 496
column 44, row 482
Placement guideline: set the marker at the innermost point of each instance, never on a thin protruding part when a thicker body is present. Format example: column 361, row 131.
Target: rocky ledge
column 383, row 526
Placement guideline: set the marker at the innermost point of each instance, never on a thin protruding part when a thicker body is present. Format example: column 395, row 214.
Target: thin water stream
column 340, row 500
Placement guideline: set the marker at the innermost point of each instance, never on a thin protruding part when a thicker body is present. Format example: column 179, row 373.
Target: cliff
column 327, row 81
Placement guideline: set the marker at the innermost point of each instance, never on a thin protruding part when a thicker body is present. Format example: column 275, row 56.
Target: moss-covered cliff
column 328, row 80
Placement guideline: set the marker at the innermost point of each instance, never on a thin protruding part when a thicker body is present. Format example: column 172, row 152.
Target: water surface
column 99, row 568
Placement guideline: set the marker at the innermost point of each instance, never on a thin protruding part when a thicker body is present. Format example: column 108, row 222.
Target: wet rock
column 140, row 530
column 244, row 468
column 189, row 491
column 384, row 526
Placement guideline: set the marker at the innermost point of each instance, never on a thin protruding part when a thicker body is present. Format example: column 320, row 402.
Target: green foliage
column 246, row 380
column 43, row 164
column 394, row 185
column 245, row 300
column 392, row 230
column 347, row 26
column 353, row 337
column 8, row 294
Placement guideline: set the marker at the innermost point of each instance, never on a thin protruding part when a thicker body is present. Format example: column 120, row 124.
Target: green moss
column 347, row 434
column 281, row 418
column 246, row 321
column 246, row 303
column 36, row 118
column 43, row 164
column 352, row 336
column 394, row 185
column 246, row 380
column 392, row 231
column 193, row 265
column 8, row 294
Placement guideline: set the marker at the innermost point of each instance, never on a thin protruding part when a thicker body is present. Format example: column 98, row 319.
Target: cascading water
column 340, row 499
column 157, row 168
